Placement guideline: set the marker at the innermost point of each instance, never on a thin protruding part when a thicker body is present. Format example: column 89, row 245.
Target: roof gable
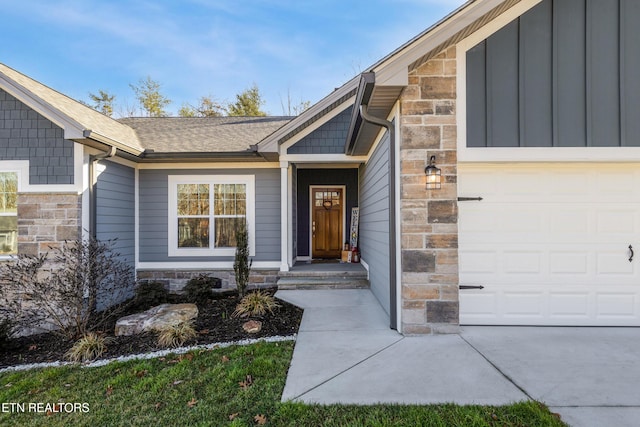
column 77, row 120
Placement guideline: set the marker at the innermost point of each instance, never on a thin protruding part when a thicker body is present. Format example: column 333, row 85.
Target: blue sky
column 212, row 48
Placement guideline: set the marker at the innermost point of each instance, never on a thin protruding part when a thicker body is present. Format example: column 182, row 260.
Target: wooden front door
column 327, row 222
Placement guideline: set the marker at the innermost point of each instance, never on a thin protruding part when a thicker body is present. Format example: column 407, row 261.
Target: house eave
column 202, row 157
column 379, row 101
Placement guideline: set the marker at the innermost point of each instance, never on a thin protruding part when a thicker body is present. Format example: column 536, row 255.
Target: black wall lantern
column 434, row 177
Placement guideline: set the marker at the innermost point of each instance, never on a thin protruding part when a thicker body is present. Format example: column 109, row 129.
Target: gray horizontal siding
column 26, row 135
column 327, row 139
column 154, row 211
column 564, row 74
column 373, row 240
column 115, row 207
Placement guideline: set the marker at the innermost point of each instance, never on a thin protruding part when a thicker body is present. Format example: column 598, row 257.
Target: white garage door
column 550, row 244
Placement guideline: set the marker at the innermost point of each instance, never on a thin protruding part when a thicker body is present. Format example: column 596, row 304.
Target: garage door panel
column 480, row 305
column 614, row 263
column 568, row 262
column 478, row 261
column 523, row 262
column 528, row 305
column 569, row 305
column 550, row 244
column 617, row 305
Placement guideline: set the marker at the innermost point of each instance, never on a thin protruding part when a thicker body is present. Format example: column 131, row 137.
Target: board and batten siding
column 564, row 74
column 373, row 240
column 154, row 210
column 115, row 202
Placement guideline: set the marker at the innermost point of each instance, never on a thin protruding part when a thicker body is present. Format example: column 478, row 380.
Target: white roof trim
column 270, row 144
column 72, row 129
column 393, row 69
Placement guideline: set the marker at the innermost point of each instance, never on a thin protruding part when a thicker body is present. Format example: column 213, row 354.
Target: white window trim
column 17, row 167
column 174, row 180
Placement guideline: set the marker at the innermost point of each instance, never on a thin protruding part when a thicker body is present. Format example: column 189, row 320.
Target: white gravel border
column 152, row 355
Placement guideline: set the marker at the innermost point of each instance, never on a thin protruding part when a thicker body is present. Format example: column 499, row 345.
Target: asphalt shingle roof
column 86, row 117
column 202, row 134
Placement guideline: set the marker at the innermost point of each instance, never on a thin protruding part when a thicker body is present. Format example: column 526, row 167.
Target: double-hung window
column 8, row 213
column 205, row 212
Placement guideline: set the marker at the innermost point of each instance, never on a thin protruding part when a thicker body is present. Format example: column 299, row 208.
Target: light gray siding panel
column 477, row 96
column 535, row 77
column 26, row 135
column 570, row 79
column 629, row 13
column 374, row 221
column 327, row 139
column 502, row 87
column 115, row 203
column 154, row 211
column 603, row 73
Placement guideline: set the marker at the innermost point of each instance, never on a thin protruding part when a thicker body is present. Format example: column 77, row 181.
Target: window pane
column 193, row 199
column 230, row 199
column 193, row 232
column 8, row 192
column 8, row 235
column 226, row 231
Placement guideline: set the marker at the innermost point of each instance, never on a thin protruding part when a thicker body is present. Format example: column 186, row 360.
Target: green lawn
column 237, row 386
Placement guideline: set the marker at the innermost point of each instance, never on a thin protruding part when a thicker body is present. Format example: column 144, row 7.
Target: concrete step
column 326, row 282
column 346, row 274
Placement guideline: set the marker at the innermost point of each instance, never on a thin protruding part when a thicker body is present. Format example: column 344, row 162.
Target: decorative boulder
column 252, row 326
column 156, row 318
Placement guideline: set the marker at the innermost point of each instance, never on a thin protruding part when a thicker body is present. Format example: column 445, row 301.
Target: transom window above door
column 206, row 211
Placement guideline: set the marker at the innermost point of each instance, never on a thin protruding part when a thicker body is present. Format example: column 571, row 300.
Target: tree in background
column 291, row 108
column 102, row 102
column 248, row 103
column 152, row 102
column 207, row 107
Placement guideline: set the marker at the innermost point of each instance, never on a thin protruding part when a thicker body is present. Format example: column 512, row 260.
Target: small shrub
column 89, row 347
column 198, row 289
column 242, row 262
column 176, row 335
column 255, row 304
column 73, row 289
column 150, row 294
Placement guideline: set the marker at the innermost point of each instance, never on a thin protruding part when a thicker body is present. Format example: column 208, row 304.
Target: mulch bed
column 214, row 324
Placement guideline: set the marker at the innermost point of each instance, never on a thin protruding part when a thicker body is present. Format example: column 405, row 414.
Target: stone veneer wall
column 174, row 280
column 46, row 220
column 429, row 217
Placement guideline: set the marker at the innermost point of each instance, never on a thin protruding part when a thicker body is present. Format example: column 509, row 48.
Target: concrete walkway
column 346, row 353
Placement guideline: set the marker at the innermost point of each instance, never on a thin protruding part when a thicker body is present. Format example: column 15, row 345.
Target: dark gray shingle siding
column 26, row 135
column 327, row 139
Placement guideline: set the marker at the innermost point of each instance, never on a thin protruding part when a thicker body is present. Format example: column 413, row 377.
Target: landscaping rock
column 156, row 318
column 252, row 326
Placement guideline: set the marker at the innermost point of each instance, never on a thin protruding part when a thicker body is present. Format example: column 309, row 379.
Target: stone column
column 429, row 217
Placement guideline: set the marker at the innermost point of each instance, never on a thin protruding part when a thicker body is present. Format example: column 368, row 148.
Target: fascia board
column 271, row 143
column 392, row 70
column 72, row 129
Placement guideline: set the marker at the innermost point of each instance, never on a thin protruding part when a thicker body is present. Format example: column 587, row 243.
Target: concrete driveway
column 591, row 376
column 345, row 353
